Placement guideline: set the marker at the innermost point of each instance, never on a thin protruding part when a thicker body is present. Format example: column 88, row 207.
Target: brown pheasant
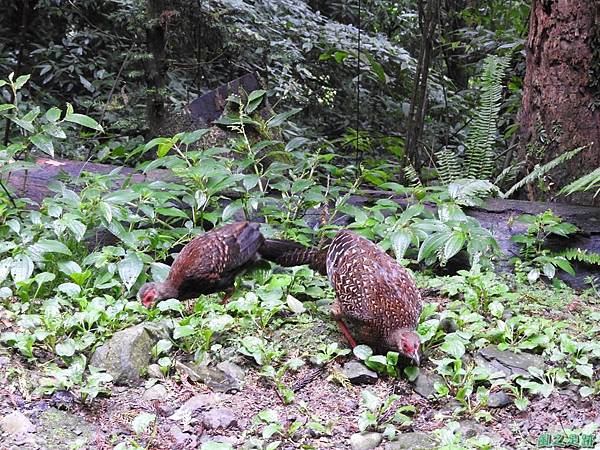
column 374, row 294
column 208, row 263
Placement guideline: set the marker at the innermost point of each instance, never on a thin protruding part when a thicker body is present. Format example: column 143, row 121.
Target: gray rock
column 56, row 427
column 499, row 399
column 154, row 371
column 193, row 404
column 16, row 423
column 127, row 353
column 412, row 441
column 357, row 373
column 449, row 325
column 181, row 437
column 470, row 428
column 517, row 363
column 219, row 418
column 232, row 370
column 493, row 366
column 214, row 378
column 156, row 392
column 424, row 384
column 4, row 361
column 365, row 441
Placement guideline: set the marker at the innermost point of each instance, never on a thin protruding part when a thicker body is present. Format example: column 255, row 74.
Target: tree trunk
column 561, row 95
column 156, row 67
column 428, row 20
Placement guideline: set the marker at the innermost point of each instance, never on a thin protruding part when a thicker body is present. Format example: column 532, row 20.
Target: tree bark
column 156, row 67
column 561, row 94
column 428, row 20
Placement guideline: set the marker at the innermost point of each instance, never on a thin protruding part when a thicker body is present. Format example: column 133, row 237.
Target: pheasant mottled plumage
column 208, row 263
column 374, row 294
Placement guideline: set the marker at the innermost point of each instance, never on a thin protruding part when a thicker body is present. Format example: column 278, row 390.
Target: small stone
column 218, row 418
column 126, row 354
column 180, row 437
column 365, row 441
column 4, row 361
column 154, row 371
column 499, row 399
column 214, row 378
column 449, row 325
column 233, row 370
column 357, row 373
column 16, row 423
column 518, row 363
column 156, row 392
column 424, row 384
column 412, row 441
column 196, row 402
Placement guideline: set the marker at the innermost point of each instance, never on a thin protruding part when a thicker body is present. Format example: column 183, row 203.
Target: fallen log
column 497, row 215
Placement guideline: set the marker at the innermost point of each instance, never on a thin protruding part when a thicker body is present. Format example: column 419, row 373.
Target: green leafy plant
column 539, row 228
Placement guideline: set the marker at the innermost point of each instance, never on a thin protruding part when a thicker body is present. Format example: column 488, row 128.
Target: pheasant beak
column 415, row 359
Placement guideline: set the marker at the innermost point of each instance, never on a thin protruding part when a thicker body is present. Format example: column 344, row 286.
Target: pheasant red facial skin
column 208, row 263
column 375, row 295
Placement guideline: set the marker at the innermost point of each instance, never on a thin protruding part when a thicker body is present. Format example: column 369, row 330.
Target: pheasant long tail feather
column 289, row 254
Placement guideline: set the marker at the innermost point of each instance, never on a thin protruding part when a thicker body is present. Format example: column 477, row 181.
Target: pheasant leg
column 346, row 332
column 227, row 296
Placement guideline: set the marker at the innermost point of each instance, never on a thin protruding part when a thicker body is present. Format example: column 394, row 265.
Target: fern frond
column 577, row 254
column 448, row 166
column 585, row 183
column 471, row 192
column 411, row 175
column 483, row 130
column 540, row 171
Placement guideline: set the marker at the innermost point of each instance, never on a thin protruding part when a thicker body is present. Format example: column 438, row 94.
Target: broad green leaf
column 171, row 304
column 533, row 275
column 181, row 331
column 454, row 245
column 21, row 80
column 362, row 352
column 295, row 305
column 454, row 347
column 26, row 125
column 44, row 277
column 66, row 348
column 54, row 131
column 565, row 265
column 585, row 369
column 49, row 246
column 295, row 143
column 400, row 242
column 6, row 106
column 279, row 119
column 159, row 271
column 496, row 309
column 76, row 227
column 193, row 136
column 432, row 244
column 83, row 120
column 21, row 268
column 53, row 114
column 70, row 289
column 370, row 400
column 549, row 270
column 129, row 269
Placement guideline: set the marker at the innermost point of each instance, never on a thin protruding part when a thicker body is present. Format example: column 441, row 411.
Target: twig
column 8, row 194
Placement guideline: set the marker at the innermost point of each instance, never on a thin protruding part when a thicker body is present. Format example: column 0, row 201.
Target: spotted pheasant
column 374, row 294
column 208, row 263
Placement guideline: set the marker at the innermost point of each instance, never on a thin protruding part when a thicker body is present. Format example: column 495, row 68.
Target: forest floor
column 325, row 413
